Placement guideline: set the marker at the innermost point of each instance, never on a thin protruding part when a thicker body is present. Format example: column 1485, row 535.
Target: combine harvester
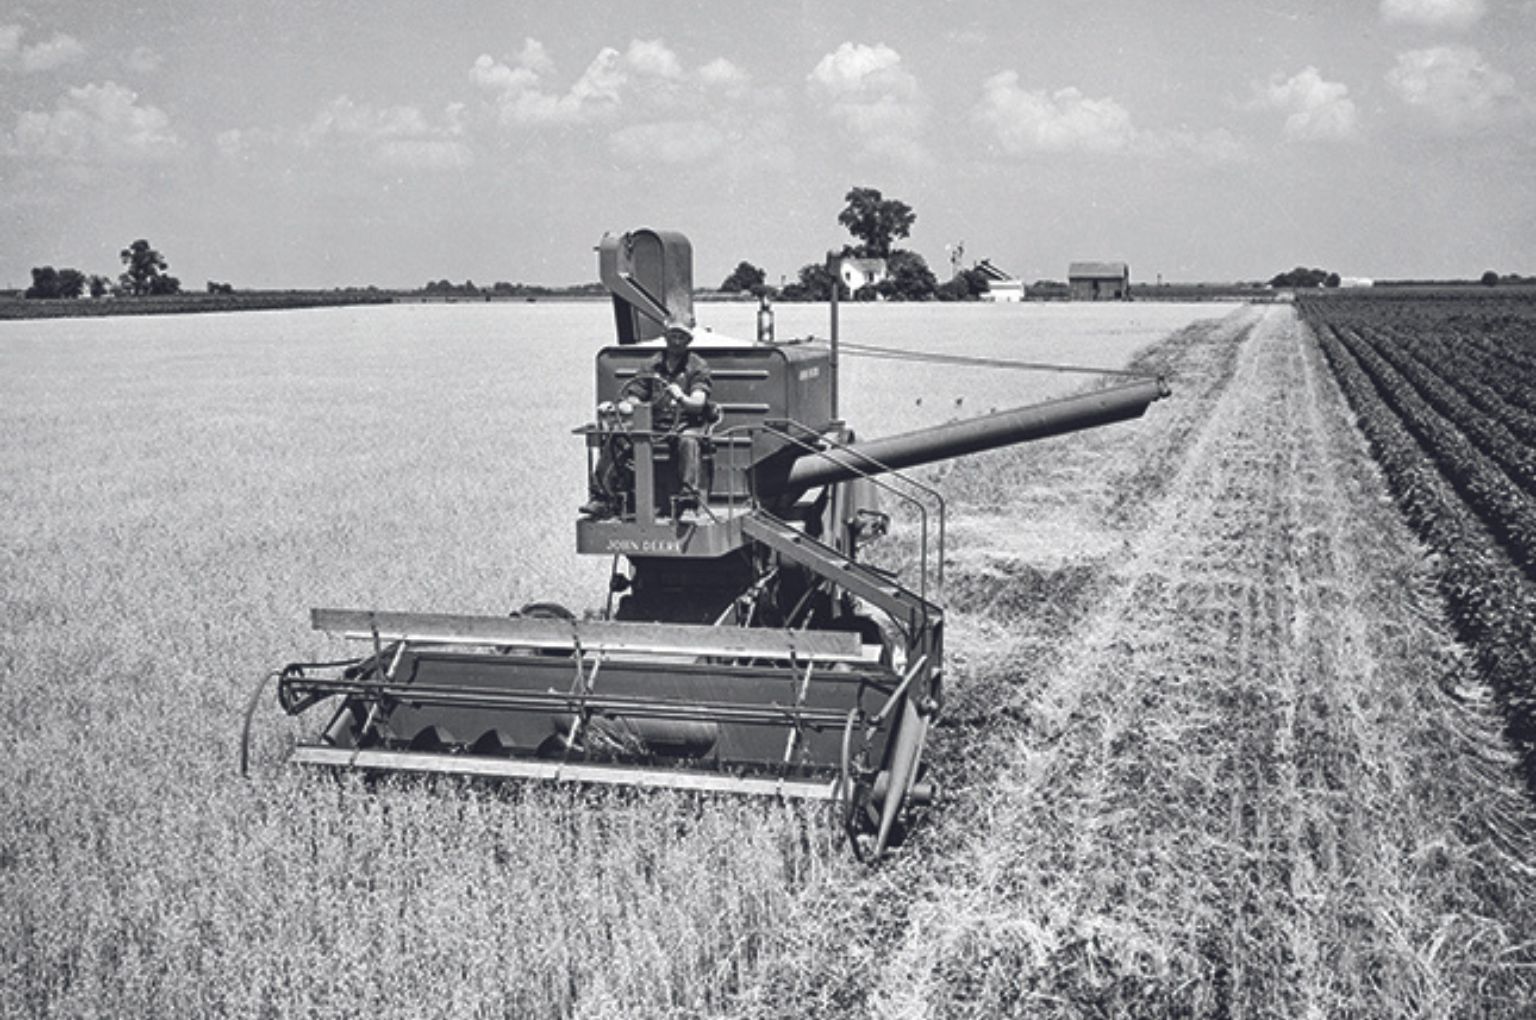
column 749, row 651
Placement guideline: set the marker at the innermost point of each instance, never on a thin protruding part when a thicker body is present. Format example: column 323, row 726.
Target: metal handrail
column 878, row 477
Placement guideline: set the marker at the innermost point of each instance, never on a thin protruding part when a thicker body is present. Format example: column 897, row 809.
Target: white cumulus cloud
column 93, row 124
column 1433, row 13
column 876, row 100
column 647, row 70
column 723, row 74
column 397, row 136
column 1033, row 120
column 521, row 96
column 534, row 57
column 652, row 57
column 1315, row 109
column 672, row 114
column 1454, row 85
column 43, row 56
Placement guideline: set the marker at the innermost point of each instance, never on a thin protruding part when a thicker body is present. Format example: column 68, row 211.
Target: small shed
column 1000, row 286
column 1099, row 281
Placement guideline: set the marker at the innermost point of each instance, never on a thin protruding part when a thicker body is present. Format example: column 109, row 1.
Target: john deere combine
column 745, row 646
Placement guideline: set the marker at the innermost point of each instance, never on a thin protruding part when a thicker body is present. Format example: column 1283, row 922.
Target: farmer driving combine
column 676, row 384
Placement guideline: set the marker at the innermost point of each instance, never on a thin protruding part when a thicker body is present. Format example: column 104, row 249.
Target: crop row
column 1485, row 379
column 1482, row 311
column 1508, row 513
column 1491, row 603
column 1483, row 365
column 1501, row 354
column 1487, row 431
column 1490, row 360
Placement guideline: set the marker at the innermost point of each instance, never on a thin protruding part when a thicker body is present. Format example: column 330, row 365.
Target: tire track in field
column 1034, row 530
column 1240, row 792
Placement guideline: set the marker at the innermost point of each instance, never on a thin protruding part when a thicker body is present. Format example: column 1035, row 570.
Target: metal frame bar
column 606, row 637
column 567, row 772
column 767, row 713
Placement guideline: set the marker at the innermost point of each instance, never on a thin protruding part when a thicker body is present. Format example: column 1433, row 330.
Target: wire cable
column 931, row 357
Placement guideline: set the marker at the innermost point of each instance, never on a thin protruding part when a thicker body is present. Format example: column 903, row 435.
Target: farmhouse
column 1000, row 286
column 858, row 273
column 1099, row 281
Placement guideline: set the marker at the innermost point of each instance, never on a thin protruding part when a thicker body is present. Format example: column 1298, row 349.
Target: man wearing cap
column 676, row 384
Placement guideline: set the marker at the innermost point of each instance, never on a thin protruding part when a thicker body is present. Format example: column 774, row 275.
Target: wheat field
column 1200, row 756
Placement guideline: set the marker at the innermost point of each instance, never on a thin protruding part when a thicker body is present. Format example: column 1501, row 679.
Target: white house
column 859, row 273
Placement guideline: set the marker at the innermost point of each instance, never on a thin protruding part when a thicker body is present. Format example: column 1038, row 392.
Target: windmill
column 956, row 255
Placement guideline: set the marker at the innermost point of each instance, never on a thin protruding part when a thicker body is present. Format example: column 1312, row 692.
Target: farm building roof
column 1098, row 271
column 991, row 272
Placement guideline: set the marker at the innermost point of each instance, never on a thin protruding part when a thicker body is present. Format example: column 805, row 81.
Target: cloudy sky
column 329, row 142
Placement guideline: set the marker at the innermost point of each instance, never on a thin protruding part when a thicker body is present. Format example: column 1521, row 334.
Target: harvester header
column 743, row 646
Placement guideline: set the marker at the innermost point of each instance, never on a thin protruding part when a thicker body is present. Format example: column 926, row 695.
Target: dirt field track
column 1210, row 751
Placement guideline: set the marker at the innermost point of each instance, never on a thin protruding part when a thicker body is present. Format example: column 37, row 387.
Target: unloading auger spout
column 957, row 439
column 744, row 645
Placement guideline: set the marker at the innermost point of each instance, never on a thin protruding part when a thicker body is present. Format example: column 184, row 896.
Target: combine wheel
column 852, row 803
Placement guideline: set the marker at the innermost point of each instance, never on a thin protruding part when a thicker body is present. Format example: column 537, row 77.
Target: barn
column 1000, row 286
column 1099, row 281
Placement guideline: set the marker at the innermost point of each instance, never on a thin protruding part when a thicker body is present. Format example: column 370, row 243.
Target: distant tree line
column 503, row 289
column 144, row 273
column 1491, row 278
column 1303, row 277
column 876, row 223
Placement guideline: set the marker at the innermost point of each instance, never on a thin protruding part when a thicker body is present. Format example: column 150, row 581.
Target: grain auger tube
column 744, row 647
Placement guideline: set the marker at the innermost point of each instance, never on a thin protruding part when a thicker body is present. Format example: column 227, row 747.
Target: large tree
column 966, row 285
column 45, row 283
column 908, row 278
column 146, row 272
column 48, row 282
column 745, row 276
column 814, row 283
column 875, row 220
column 1301, row 276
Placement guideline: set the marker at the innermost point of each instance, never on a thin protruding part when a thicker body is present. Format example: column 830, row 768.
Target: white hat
column 679, row 323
